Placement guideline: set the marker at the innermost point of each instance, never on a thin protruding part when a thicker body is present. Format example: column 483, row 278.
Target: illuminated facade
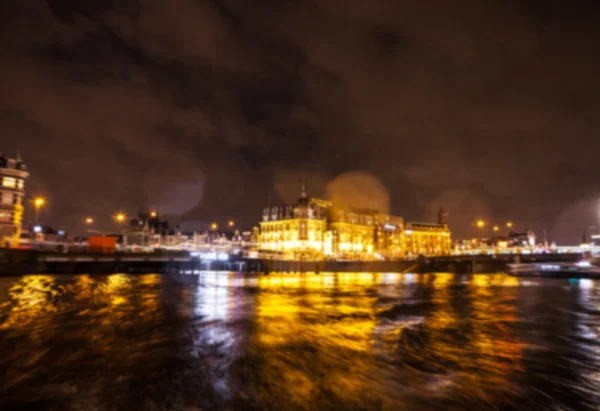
column 12, row 190
column 294, row 232
column 427, row 239
column 314, row 229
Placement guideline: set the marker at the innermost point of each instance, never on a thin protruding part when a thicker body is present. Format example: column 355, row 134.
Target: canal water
column 299, row 342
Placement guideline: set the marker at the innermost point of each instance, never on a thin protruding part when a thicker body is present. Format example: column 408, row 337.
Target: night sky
column 205, row 109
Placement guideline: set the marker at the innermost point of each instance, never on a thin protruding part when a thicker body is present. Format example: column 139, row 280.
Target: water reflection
column 329, row 341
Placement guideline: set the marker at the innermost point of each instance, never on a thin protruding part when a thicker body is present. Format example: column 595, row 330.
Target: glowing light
column 509, row 224
column 214, row 226
column 9, row 182
column 583, row 264
column 120, row 217
column 37, row 229
column 480, row 223
column 496, row 228
column 153, row 214
column 39, row 202
column 61, row 232
column 231, row 223
column 89, row 220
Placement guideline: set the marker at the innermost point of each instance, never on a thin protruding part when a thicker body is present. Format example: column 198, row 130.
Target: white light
column 408, row 232
column 61, row 232
column 583, row 264
column 37, row 229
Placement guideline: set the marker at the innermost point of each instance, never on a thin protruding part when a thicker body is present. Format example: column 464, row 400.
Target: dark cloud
column 206, row 108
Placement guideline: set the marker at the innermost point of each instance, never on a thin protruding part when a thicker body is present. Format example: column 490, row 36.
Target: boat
column 588, row 268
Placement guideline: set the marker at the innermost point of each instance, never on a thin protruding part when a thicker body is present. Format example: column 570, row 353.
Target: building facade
column 315, row 229
column 13, row 173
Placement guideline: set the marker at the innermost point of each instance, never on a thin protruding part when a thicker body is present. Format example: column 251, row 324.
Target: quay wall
column 18, row 262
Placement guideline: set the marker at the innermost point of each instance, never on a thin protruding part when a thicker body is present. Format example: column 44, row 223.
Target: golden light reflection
column 320, row 311
column 34, row 297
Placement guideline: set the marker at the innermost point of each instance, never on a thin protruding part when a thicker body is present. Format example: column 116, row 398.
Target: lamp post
column 120, row 219
column 509, row 224
column 231, row 223
column 38, row 203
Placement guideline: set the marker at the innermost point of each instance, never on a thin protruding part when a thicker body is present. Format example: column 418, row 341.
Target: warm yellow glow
column 153, row 214
column 509, row 224
column 120, row 217
column 214, row 226
column 231, row 223
column 480, row 223
column 496, row 228
column 39, row 202
column 9, row 182
column 89, row 220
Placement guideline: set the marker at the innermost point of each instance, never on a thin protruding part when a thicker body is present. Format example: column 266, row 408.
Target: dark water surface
column 299, row 342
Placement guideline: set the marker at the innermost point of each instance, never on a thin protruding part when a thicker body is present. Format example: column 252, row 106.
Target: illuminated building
column 12, row 190
column 315, row 229
column 352, row 234
column 296, row 232
column 427, row 239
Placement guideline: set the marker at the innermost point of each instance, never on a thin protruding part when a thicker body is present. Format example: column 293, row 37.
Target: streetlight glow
column 153, row 214
column 39, row 202
column 120, row 217
column 509, row 224
column 89, row 220
column 480, row 223
column 496, row 228
column 231, row 223
column 214, row 226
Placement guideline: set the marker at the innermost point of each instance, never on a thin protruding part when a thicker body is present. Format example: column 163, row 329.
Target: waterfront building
column 13, row 173
column 427, row 239
column 315, row 229
column 294, row 231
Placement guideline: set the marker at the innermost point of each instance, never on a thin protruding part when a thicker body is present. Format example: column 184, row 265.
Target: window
column 15, row 200
column 9, row 182
column 20, row 183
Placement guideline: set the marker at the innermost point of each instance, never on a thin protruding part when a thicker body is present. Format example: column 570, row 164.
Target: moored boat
column 580, row 269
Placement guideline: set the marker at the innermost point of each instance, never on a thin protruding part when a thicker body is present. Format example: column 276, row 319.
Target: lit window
column 20, row 183
column 9, row 182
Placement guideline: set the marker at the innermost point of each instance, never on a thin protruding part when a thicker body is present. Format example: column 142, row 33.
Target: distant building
column 13, row 173
column 314, row 229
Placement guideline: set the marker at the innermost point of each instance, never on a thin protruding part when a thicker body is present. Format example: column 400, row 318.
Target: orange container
column 100, row 244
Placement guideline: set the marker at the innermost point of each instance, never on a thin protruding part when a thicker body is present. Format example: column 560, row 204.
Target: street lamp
column 231, row 223
column 38, row 202
column 153, row 214
column 89, row 220
column 480, row 223
column 214, row 226
column 509, row 224
column 496, row 228
column 120, row 219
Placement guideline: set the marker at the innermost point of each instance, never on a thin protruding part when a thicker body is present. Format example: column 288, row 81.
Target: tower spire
column 303, row 190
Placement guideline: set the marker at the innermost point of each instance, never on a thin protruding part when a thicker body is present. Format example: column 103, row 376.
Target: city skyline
column 207, row 109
